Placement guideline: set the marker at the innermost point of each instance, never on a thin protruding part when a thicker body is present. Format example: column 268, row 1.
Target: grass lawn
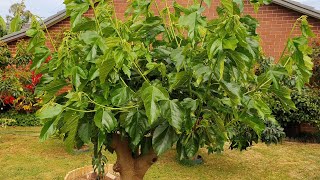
column 22, row 156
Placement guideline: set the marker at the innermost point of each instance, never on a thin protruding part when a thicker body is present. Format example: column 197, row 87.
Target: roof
column 301, row 8
column 61, row 15
column 50, row 21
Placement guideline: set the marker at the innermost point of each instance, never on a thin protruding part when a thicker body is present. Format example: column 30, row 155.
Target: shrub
column 315, row 79
column 20, row 119
column 307, row 110
column 18, row 82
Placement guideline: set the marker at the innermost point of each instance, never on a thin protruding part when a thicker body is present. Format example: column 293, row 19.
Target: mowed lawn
column 23, row 157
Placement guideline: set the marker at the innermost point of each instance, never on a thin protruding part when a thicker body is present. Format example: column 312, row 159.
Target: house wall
column 276, row 23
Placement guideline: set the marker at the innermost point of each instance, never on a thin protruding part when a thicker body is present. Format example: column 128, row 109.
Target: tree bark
column 131, row 168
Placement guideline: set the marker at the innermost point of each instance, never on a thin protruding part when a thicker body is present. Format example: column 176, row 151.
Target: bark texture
column 129, row 167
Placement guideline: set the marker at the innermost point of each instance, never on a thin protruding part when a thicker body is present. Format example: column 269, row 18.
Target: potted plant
column 158, row 78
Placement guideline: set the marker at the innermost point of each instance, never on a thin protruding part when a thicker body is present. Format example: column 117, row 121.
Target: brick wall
column 276, row 23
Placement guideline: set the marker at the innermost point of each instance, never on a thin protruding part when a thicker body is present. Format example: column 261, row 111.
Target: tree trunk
column 131, row 168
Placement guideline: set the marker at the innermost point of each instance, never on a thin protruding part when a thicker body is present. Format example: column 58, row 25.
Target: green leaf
column 40, row 56
column 105, row 120
column 136, row 124
column 121, row 96
column 105, row 67
column 76, row 10
column 230, row 43
column 163, row 138
column 150, row 97
column 172, row 111
column 49, row 129
column 49, row 110
column 84, row 132
column 208, row 2
column 240, row 4
column 232, row 90
column 70, row 127
column 178, row 79
column 189, row 21
column 192, row 146
column 178, row 57
column 56, row 85
column 262, row 107
column 284, row 95
column 228, row 5
column 253, row 122
column 215, row 48
column 93, row 40
column 15, row 24
column 3, row 25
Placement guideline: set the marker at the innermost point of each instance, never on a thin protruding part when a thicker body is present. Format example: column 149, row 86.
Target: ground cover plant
column 158, row 79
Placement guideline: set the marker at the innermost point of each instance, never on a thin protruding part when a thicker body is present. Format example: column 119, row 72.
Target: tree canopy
column 161, row 77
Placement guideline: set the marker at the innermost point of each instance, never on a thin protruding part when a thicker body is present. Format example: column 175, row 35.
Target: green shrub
column 307, row 103
column 273, row 133
column 21, row 119
column 315, row 79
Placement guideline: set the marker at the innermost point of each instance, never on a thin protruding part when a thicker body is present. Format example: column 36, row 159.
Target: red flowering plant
column 17, row 87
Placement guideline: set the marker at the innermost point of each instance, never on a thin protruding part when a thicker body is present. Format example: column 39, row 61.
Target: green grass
column 22, row 156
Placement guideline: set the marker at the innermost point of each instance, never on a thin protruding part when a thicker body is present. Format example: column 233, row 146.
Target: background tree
column 158, row 79
column 18, row 18
column 19, row 9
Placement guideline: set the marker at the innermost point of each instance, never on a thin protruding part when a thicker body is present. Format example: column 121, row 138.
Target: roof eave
column 52, row 20
column 303, row 9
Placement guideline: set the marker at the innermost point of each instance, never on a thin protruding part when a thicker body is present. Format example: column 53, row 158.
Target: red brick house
column 276, row 21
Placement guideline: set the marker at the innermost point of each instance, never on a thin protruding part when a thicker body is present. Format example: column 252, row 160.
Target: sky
column 42, row 8
column 46, row 8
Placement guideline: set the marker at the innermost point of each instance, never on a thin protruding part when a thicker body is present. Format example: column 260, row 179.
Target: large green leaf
column 178, row 57
column 105, row 65
column 228, row 5
column 190, row 21
column 3, row 25
column 253, row 122
column 233, row 91
column 15, row 24
column 163, row 138
column 105, row 120
column 70, row 127
column 151, row 95
column 172, row 111
column 40, row 56
column 49, row 128
column 93, row 40
column 121, row 96
column 136, row 124
column 49, row 110
column 178, row 79
column 76, row 9
column 84, row 132
column 55, row 86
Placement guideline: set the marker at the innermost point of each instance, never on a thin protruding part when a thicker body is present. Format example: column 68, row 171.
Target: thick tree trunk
column 131, row 168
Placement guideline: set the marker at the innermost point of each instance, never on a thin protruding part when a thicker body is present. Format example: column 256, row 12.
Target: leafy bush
column 20, row 119
column 307, row 110
column 5, row 55
column 315, row 79
column 273, row 133
column 18, row 82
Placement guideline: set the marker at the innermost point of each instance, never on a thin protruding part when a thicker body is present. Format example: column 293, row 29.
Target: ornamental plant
column 161, row 77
